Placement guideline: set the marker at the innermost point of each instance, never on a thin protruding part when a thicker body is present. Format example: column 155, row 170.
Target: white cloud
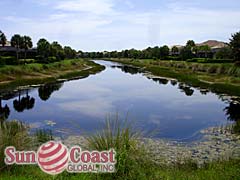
column 89, row 6
column 94, row 107
column 96, row 25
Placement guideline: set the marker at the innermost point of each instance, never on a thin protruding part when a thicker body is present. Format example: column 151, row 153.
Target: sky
column 98, row 25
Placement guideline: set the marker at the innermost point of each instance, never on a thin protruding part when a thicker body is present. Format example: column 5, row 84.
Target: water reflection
column 186, row 89
column 24, row 103
column 45, row 91
column 233, row 114
column 204, row 91
column 4, row 111
column 161, row 80
column 177, row 109
column 233, row 111
column 128, row 69
column 173, row 82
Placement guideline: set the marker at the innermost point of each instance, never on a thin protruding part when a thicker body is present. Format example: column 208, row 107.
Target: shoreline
column 217, row 144
column 220, row 85
column 81, row 70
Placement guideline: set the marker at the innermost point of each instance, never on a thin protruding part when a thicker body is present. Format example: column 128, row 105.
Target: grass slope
column 219, row 78
column 13, row 76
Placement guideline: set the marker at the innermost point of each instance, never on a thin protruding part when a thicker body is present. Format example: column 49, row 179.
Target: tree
column 174, row 50
column 133, row 53
column 190, row 43
column 235, row 45
column 27, row 44
column 155, row 52
column 3, row 39
column 57, row 51
column 164, row 52
column 224, row 53
column 17, row 42
column 43, row 48
column 125, row 54
column 186, row 53
column 69, row 52
column 205, row 49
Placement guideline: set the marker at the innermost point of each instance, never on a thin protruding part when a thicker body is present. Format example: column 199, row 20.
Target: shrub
column 206, row 60
column 196, row 60
column 219, row 61
column 2, row 61
column 52, row 59
column 132, row 161
column 26, row 61
column 212, row 69
column 43, row 136
column 237, row 63
column 36, row 68
column 45, row 67
column 8, row 60
column 174, row 58
column 73, row 63
column 13, row 133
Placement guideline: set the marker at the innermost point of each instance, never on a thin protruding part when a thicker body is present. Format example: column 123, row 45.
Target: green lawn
column 229, row 170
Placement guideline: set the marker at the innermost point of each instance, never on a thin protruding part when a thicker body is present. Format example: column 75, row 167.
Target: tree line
column 188, row 52
column 45, row 52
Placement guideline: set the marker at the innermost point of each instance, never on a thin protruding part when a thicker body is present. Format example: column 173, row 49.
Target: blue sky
column 98, row 25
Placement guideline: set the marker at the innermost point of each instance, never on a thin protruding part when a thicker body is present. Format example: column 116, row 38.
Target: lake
column 160, row 107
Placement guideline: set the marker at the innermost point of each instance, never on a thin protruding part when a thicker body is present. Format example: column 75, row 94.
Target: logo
column 54, row 157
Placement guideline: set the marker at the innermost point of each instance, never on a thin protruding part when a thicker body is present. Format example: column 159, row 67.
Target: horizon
column 108, row 25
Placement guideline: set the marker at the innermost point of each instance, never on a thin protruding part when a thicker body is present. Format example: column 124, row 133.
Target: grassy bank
column 219, row 78
column 215, row 171
column 13, row 76
column 132, row 160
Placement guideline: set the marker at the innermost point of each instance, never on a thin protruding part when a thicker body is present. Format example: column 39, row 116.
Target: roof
column 13, row 49
column 213, row 44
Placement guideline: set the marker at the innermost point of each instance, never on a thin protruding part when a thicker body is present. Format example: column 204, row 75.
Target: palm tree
column 17, row 42
column 27, row 44
column 3, row 39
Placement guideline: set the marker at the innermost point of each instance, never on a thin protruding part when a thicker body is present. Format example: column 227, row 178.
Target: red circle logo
column 53, row 157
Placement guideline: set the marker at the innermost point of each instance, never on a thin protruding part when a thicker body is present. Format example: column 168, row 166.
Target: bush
column 52, row 59
column 41, row 59
column 237, row 63
column 13, row 133
column 212, row 69
column 43, row 136
column 195, row 59
column 2, row 61
column 206, row 60
column 73, row 63
column 26, row 61
column 45, row 67
column 132, row 160
column 174, row 58
column 219, row 61
column 8, row 60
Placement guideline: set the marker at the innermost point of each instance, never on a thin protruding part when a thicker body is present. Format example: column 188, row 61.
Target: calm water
column 162, row 108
